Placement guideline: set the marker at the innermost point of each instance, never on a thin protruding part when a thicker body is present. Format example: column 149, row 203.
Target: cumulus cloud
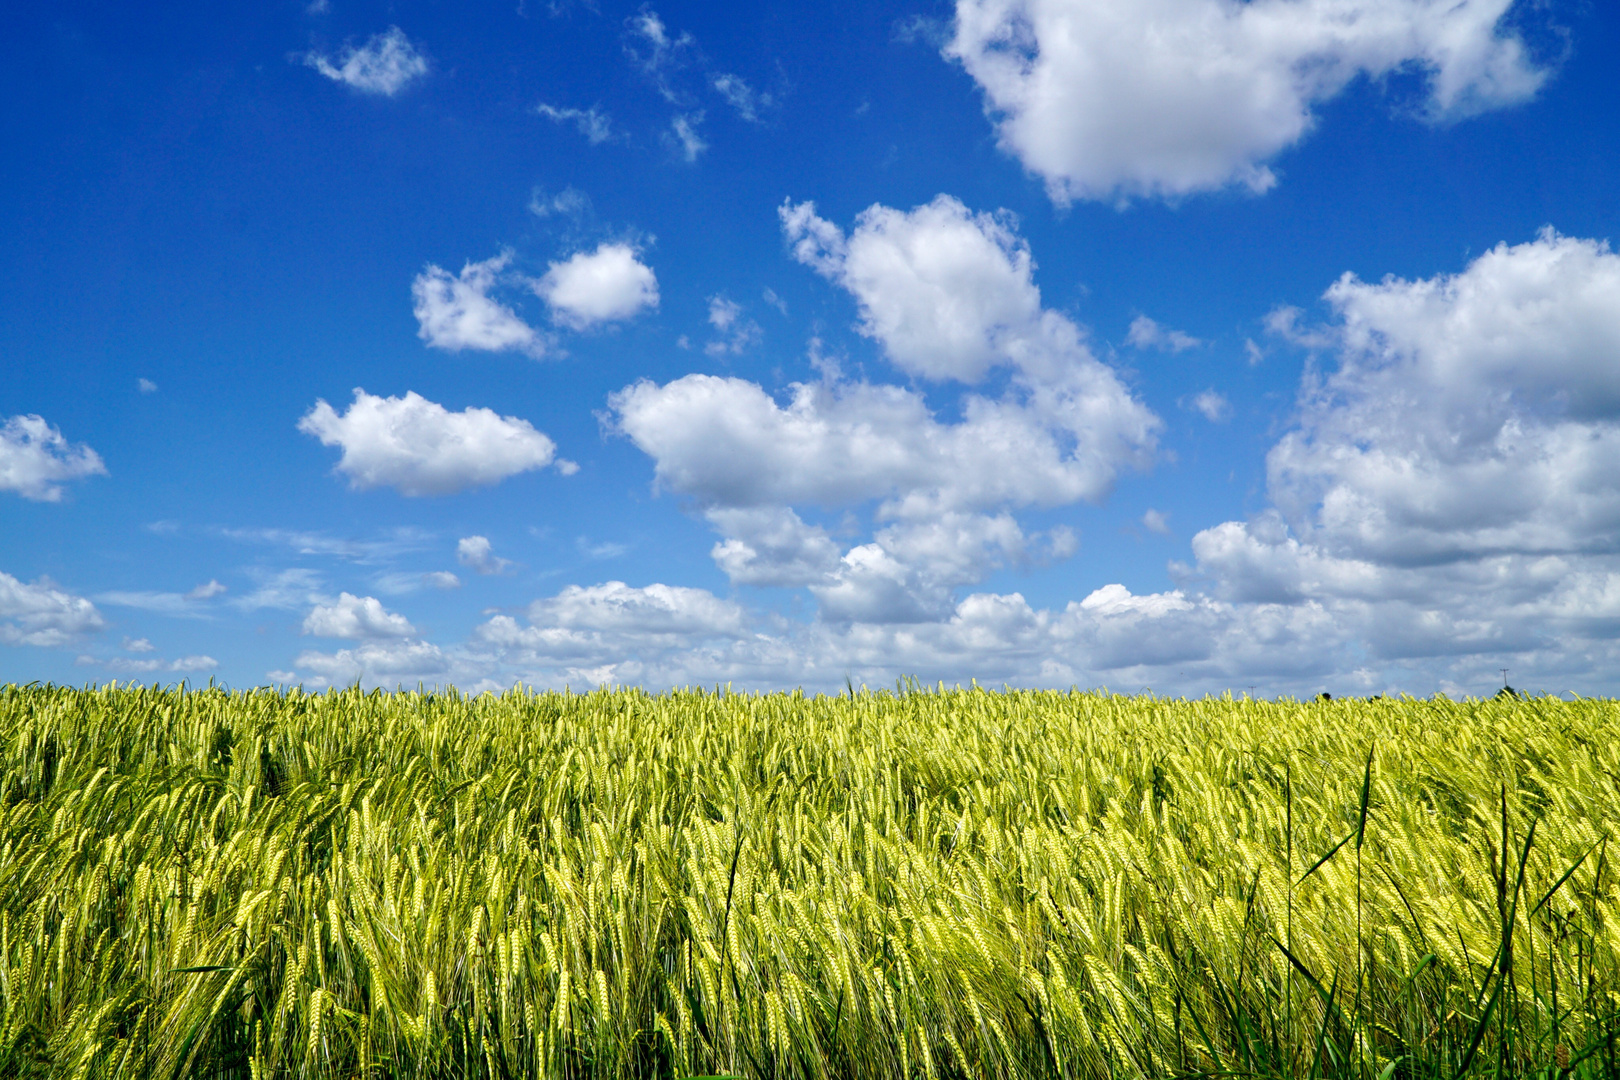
column 385, row 64
column 771, row 545
column 419, row 447
column 593, row 123
column 1147, row 334
column 727, row 442
column 1109, row 99
column 606, row 285
column 948, row 294
column 35, row 460
column 476, row 553
column 356, row 617
column 456, row 312
column 43, row 614
column 1453, row 487
column 1446, row 501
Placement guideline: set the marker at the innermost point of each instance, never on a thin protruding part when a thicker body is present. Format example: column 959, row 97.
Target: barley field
column 202, row 883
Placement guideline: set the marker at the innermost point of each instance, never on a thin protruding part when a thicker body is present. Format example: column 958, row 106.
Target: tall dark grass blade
column 1366, row 790
column 1479, row 1030
column 1334, row 850
column 1576, row 865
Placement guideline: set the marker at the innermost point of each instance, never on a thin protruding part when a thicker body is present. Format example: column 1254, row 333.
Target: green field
column 907, row 884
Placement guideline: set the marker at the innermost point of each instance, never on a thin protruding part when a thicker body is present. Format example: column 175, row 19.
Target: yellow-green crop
column 962, row 883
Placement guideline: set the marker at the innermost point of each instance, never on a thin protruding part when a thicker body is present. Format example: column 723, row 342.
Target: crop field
column 895, row 884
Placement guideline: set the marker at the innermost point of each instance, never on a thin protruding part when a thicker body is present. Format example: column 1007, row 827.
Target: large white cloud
column 771, row 545
column 729, row 443
column 456, row 311
column 1452, row 488
column 421, row 448
column 605, row 285
column 43, row 614
column 385, row 64
column 1115, row 98
column 35, row 460
column 948, row 294
column 1471, row 414
column 356, row 617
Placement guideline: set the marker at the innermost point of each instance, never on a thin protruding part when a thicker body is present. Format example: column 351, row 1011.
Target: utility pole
column 1504, row 672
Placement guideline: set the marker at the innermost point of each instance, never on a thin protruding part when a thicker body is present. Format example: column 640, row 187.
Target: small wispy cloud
column 1147, row 334
column 1212, row 405
column 385, row 64
column 684, row 135
column 593, row 123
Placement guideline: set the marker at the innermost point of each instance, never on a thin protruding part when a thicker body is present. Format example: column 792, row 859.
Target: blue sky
column 1185, row 344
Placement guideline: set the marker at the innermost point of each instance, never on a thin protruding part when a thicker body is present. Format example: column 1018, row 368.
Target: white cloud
column 771, row 546
column 295, row 587
column 476, row 553
column 592, row 123
column 356, row 617
column 206, row 591
column 728, row 443
column 591, row 288
column 683, row 134
column 420, row 448
column 405, row 582
column 948, row 293
column 385, row 64
column 137, row 645
column 909, row 572
column 457, row 312
column 1452, row 489
column 186, row 605
column 123, row 665
column 372, row 663
column 395, row 542
column 1211, row 405
column 658, row 52
column 146, row 386
column 740, row 96
column 738, row 334
column 42, row 614
column 1147, row 334
column 1447, row 502
column 35, row 460
column 1108, row 99
column 570, row 202
column 613, row 632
